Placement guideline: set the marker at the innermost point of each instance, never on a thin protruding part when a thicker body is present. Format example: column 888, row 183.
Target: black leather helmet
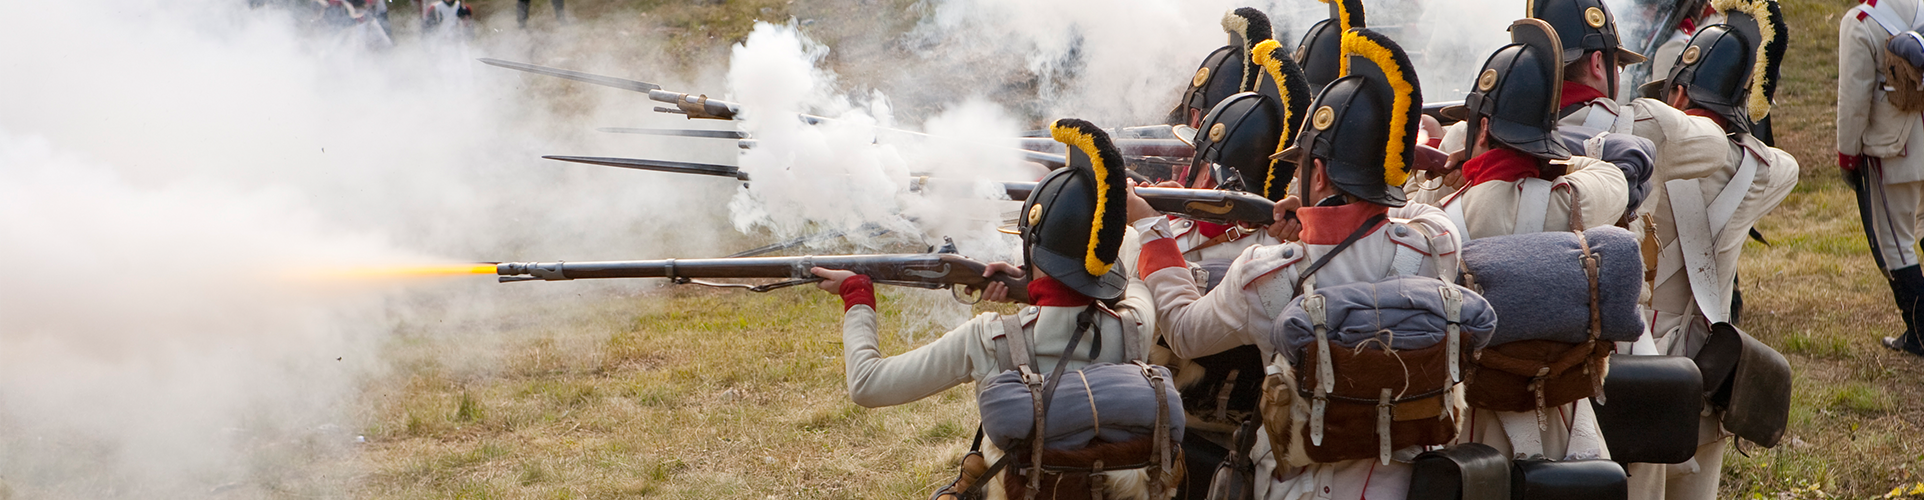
column 1236, row 140
column 1227, row 70
column 1072, row 224
column 1363, row 125
column 1234, row 143
column 1718, row 69
column 1583, row 26
column 1518, row 90
column 1319, row 54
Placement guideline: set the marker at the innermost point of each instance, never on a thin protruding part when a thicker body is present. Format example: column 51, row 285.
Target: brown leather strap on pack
column 1576, row 207
column 1233, row 234
column 1590, row 271
column 1018, row 344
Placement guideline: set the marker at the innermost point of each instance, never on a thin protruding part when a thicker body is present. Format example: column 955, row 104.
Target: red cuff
column 858, row 290
column 1848, row 162
column 1158, row 255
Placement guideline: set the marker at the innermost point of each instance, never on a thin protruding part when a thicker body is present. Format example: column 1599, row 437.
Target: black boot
column 1907, row 285
column 521, row 13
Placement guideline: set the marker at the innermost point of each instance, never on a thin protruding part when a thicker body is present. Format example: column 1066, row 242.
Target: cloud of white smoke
column 162, row 162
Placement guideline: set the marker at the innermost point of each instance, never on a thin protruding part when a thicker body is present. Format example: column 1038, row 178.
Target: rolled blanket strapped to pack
column 1566, row 297
column 1380, row 363
column 1537, row 284
column 1107, row 402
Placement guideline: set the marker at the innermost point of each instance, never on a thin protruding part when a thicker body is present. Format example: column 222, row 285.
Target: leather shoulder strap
column 1132, row 340
column 1014, row 343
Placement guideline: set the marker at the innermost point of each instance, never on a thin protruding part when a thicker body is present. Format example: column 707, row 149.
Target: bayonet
column 606, row 81
column 678, row 132
column 678, row 167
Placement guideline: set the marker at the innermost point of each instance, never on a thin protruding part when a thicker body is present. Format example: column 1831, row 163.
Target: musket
column 1210, row 205
column 702, row 106
column 1129, row 146
column 920, row 270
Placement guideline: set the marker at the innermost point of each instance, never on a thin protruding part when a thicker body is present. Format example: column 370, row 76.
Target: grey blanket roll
column 1125, row 407
column 1409, row 308
column 1537, row 284
column 1909, row 47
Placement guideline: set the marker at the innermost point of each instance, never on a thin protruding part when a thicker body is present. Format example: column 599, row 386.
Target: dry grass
column 686, row 393
column 699, row 394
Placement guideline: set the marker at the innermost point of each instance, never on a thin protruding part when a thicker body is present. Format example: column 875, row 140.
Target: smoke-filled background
column 186, row 187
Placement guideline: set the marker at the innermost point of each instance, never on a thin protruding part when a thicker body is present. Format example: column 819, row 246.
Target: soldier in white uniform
column 1355, row 153
column 1523, row 179
column 1520, row 175
column 1873, row 148
column 1592, row 60
column 1079, row 278
column 1704, row 208
column 1233, row 149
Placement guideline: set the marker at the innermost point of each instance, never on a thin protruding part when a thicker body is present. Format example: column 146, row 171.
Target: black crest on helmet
column 1227, row 70
column 1320, row 52
column 1363, row 125
column 1072, row 224
column 1283, row 81
column 1518, row 90
column 1731, row 68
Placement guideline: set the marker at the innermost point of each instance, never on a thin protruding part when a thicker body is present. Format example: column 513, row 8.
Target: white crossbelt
column 1699, row 224
column 1607, row 118
column 1886, row 17
column 1453, row 208
column 1531, row 205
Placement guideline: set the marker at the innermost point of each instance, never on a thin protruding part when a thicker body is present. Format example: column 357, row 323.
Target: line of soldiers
column 1164, row 358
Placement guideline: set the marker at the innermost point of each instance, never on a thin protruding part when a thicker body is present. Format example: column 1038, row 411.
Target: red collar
column 1500, row 164
column 1207, row 229
column 1330, row 225
column 1574, row 92
column 1211, row 229
column 1047, row 291
column 1721, row 123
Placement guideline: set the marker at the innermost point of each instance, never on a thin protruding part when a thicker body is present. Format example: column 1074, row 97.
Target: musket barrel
column 741, row 267
column 923, row 270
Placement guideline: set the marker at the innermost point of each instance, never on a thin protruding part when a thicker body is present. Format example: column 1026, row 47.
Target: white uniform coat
column 1258, row 286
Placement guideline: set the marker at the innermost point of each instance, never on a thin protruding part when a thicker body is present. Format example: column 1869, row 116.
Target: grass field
column 688, row 393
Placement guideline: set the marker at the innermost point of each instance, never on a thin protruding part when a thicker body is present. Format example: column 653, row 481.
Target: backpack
column 1380, row 367
column 1569, row 295
column 1899, row 73
column 1063, row 430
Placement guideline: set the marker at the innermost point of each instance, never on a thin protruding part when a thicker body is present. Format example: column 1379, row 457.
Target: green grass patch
column 1860, row 398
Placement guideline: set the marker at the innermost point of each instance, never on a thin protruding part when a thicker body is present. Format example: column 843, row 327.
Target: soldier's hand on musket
column 1287, row 226
column 995, row 291
column 831, row 279
column 1139, row 208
